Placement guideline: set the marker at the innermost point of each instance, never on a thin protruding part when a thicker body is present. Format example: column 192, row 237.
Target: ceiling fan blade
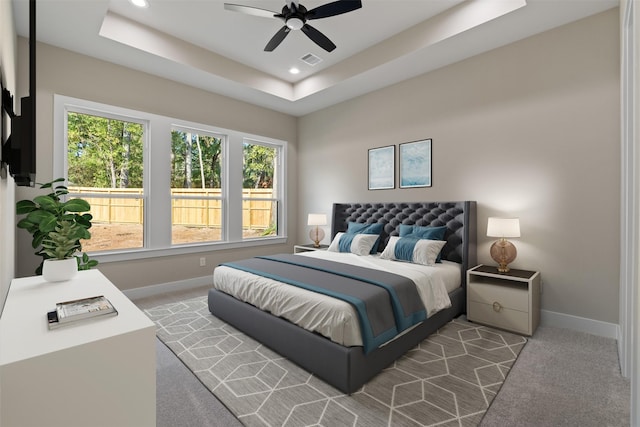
column 318, row 38
column 334, row 8
column 250, row 10
column 277, row 39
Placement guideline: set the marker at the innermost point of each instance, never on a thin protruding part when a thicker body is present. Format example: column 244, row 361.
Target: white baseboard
column 580, row 324
column 547, row 318
column 162, row 288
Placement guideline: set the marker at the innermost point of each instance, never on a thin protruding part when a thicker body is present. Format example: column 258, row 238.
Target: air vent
column 311, row 59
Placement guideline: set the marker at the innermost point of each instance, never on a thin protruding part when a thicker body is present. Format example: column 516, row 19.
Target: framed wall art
column 382, row 172
column 415, row 164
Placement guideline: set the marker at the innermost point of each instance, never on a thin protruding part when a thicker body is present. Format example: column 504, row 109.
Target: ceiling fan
column 295, row 17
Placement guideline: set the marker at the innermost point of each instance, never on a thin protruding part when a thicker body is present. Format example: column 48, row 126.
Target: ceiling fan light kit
column 295, row 17
column 295, row 23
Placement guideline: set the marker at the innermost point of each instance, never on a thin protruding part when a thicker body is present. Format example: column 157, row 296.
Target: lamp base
column 316, row 235
column 503, row 252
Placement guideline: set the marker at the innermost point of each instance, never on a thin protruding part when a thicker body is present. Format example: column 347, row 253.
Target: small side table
column 307, row 248
column 509, row 301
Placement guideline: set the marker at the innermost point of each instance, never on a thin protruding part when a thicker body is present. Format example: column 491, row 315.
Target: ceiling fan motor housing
column 294, row 16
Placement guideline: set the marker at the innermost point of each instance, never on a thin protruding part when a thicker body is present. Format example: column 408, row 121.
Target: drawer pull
column 497, row 307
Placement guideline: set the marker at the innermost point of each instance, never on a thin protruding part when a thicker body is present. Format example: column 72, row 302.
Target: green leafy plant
column 273, row 229
column 57, row 227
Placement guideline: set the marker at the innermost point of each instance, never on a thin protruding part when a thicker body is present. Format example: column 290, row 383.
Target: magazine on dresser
column 72, row 312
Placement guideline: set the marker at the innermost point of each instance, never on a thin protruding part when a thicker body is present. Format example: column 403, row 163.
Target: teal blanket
column 386, row 303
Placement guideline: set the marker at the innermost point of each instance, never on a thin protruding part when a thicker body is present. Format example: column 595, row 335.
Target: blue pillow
column 417, row 251
column 362, row 228
column 431, row 233
column 404, row 248
column 359, row 244
column 421, row 232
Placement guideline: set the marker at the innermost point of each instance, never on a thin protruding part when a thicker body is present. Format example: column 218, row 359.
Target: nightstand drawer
column 508, row 296
column 506, row 318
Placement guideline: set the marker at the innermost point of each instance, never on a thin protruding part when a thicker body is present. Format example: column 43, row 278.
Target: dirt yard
column 129, row 236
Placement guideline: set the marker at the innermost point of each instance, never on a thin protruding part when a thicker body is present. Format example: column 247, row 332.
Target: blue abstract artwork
column 415, row 164
column 382, row 168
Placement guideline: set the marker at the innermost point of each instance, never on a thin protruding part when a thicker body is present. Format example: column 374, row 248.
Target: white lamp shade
column 317, row 219
column 503, row 227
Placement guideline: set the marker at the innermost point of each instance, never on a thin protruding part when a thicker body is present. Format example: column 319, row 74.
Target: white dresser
column 101, row 372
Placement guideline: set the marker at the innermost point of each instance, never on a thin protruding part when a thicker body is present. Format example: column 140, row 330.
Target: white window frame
column 277, row 195
column 223, row 191
column 157, row 198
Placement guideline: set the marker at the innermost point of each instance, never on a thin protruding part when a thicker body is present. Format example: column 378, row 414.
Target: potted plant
column 57, row 228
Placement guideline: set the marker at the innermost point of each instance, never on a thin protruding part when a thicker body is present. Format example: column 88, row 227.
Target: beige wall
column 530, row 130
column 66, row 73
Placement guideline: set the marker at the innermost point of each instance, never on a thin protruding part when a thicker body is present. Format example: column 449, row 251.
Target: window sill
column 127, row 255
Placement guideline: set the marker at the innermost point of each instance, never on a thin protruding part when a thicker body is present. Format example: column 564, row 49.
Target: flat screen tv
column 19, row 148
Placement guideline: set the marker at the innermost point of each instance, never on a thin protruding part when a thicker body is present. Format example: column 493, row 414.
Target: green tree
column 258, row 168
column 104, row 152
column 195, row 160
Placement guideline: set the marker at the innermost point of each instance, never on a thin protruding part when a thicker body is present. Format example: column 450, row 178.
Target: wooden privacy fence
column 191, row 207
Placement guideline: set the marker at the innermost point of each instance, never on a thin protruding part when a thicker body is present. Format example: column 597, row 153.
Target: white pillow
column 425, row 251
column 360, row 245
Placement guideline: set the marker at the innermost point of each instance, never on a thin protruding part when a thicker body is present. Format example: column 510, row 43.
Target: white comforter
column 333, row 318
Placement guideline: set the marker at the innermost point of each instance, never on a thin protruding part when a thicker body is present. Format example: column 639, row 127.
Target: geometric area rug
column 449, row 379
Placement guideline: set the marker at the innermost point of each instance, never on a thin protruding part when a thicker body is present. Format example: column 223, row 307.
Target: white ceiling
column 199, row 43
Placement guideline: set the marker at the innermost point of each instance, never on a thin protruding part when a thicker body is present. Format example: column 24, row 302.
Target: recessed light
column 140, row 3
column 294, row 70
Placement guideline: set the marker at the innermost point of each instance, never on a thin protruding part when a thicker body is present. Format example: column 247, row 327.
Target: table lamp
column 316, row 234
column 502, row 251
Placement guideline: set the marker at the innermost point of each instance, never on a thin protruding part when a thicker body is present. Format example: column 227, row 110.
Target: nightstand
column 509, row 301
column 307, row 248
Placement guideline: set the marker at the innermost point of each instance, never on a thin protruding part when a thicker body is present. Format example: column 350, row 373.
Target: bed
column 348, row 367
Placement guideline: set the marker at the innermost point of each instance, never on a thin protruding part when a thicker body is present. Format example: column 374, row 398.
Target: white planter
column 57, row 270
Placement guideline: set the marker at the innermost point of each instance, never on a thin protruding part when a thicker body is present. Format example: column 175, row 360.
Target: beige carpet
column 450, row 379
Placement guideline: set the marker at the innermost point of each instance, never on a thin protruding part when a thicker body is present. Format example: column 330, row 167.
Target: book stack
column 72, row 312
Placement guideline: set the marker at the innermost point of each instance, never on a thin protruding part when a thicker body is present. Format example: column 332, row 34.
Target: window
column 259, row 190
column 105, row 167
column 196, row 186
column 179, row 191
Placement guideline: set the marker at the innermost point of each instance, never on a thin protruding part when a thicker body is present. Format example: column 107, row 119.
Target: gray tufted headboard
column 459, row 217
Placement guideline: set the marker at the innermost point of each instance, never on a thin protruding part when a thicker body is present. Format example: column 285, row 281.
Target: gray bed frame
column 348, row 368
